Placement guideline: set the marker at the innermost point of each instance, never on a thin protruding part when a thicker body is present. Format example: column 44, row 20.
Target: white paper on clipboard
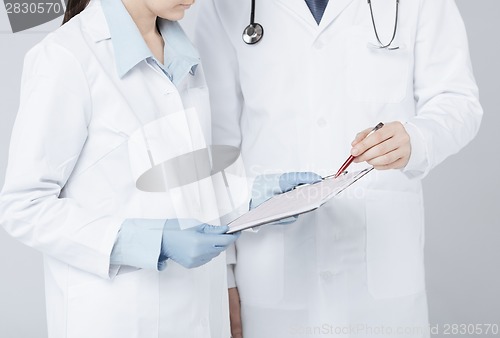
column 297, row 201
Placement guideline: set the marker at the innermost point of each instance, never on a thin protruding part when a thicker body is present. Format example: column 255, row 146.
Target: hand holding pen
column 384, row 148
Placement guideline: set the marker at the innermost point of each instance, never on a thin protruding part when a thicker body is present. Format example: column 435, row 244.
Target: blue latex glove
column 288, row 181
column 266, row 186
column 196, row 245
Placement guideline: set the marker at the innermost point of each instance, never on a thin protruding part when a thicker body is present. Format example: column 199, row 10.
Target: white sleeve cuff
column 231, row 280
column 418, row 165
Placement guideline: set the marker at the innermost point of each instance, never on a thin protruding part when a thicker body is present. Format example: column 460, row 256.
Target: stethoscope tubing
column 382, row 46
column 254, row 32
column 252, row 13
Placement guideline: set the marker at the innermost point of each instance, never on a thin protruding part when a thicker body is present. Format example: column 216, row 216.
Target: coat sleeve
column 447, row 101
column 50, row 131
column 220, row 64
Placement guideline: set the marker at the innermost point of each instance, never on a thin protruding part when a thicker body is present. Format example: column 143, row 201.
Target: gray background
column 462, row 198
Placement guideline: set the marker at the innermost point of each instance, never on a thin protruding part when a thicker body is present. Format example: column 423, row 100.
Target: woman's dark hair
column 74, row 7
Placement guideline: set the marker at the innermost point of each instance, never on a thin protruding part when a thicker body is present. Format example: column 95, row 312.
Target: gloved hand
column 266, row 186
column 288, row 181
column 196, row 245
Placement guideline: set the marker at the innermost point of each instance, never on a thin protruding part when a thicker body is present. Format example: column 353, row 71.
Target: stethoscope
column 254, row 32
column 381, row 45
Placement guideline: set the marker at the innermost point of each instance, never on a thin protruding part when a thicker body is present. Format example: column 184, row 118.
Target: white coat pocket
column 125, row 307
column 394, row 244
column 373, row 74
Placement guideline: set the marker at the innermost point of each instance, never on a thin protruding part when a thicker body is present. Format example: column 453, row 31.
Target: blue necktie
column 317, row 8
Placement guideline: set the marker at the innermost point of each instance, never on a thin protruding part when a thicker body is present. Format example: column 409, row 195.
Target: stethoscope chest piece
column 253, row 33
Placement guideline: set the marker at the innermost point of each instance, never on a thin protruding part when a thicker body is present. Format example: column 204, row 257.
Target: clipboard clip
column 335, row 175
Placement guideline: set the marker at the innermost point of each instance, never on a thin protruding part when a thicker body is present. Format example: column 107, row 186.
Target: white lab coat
column 294, row 102
column 71, row 181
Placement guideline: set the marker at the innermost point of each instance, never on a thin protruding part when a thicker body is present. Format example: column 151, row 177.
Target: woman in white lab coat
column 107, row 98
column 294, row 102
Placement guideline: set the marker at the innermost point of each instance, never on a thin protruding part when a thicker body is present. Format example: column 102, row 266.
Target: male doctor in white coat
column 295, row 101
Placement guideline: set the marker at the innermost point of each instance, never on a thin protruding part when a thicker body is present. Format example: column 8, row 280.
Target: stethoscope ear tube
column 254, row 32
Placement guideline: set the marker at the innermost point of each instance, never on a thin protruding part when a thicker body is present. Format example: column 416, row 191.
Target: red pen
column 348, row 162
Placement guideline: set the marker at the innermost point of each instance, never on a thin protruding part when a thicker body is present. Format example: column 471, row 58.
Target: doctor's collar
column 180, row 56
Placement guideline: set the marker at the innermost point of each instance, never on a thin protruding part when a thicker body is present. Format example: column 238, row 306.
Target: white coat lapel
column 332, row 11
column 95, row 23
column 299, row 9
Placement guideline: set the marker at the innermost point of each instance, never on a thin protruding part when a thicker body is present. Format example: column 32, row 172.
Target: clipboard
column 298, row 201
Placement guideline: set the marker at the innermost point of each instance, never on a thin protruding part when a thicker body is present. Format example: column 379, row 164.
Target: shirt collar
column 180, row 56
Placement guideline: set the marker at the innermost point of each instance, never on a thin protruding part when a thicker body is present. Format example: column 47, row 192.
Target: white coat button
column 204, row 322
column 319, row 45
column 327, row 275
column 169, row 91
column 321, row 122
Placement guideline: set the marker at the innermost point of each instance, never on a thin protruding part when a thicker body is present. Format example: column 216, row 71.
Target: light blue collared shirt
column 180, row 56
column 139, row 244
column 139, row 240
